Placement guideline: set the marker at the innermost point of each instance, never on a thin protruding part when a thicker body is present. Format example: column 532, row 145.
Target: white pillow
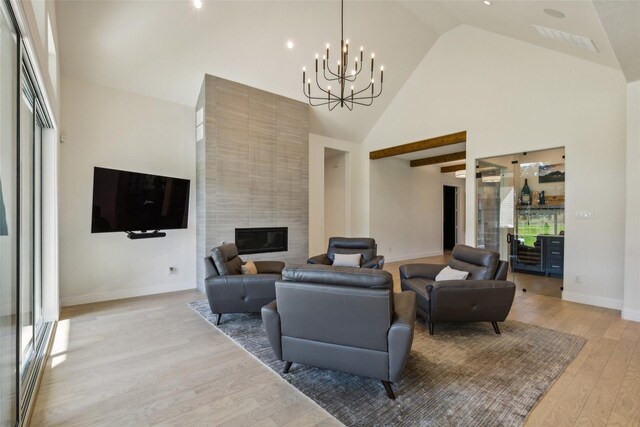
column 449, row 273
column 346, row 260
column 249, row 267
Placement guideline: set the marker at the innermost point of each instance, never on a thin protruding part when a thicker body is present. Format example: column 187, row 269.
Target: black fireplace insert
column 261, row 240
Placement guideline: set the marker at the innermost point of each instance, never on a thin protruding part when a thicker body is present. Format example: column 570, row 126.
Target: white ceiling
column 621, row 20
column 515, row 19
column 162, row 49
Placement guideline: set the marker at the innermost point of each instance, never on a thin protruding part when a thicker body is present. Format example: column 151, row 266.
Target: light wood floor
column 153, row 361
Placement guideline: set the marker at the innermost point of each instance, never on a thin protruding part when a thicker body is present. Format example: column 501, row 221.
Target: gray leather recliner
column 341, row 318
column 351, row 245
column 230, row 291
column 485, row 296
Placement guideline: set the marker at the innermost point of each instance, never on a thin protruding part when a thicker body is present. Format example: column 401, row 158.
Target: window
column 8, row 219
column 51, row 48
column 23, row 330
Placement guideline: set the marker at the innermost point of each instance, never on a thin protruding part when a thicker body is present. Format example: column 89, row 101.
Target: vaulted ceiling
column 162, row 49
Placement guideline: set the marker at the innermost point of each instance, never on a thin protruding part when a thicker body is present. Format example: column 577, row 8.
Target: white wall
column 406, row 208
column 511, row 96
column 356, row 193
column 334, row 195
column 120, row 130
column 631, row 309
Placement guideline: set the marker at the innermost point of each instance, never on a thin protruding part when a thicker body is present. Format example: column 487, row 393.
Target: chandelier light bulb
column 308, row 81
column 361, row 48
column 290, row 44
column 324, row 57
column 327, row 45
column 328, row 87
column 304, row 68
column 316, row 56
column 347, row 41
column 371, row 80
column 352, row 87
column 382, row 68
column 353, row 72
column 356, row 59
column 373, row 55
column 197, row 4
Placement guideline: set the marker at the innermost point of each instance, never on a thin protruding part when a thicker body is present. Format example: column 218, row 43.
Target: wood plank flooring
column 153, row 361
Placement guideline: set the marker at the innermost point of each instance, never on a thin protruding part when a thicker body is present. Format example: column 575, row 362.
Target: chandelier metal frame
column 342, row 77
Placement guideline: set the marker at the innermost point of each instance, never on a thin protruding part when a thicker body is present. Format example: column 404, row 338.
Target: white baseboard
column 628, row 314
column 613, row 303
column 407, row 257
column 124, row 293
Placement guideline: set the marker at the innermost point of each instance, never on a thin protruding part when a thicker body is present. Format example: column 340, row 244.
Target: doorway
column 449, row 217
column 335, row 193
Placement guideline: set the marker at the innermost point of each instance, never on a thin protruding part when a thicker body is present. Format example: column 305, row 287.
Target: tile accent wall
column 252, row 168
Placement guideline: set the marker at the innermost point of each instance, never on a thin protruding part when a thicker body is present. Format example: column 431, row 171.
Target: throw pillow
column 249, row 267
column 449, row 273
column 347, row 260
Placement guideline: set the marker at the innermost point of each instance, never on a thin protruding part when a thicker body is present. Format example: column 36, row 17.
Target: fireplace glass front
column 262, row 240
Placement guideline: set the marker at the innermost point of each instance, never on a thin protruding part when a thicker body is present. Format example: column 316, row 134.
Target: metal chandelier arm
column 329, row 79
column 372, row 96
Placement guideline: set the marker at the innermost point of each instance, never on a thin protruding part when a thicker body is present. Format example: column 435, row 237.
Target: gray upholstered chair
column 342, row 318
column 230, row 291
column 351, row 245
column 485, row 296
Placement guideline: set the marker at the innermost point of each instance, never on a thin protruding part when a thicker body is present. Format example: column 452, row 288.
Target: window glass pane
column 37, row 217
column 8, row 223
column 495, row 204
column 26, row 230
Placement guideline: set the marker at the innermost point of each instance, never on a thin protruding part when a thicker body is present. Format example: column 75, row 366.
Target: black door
column 448, row 217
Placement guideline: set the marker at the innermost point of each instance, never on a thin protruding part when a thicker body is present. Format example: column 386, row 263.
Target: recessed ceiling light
column 554, row 13
column 197, row 4
column 290, row 44
column 487, row 2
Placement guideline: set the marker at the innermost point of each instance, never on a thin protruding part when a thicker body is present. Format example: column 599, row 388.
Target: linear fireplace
column 261, row 240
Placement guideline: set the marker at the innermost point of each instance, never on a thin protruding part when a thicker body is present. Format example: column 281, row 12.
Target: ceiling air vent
column 571, row 39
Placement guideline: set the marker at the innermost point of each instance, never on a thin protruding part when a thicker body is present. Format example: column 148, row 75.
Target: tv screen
column 132, row 201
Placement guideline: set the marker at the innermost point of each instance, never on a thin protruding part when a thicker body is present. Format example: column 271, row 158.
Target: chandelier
column 345, row 94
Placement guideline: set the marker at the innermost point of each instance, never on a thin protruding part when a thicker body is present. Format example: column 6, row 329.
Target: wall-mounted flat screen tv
column 132, row 201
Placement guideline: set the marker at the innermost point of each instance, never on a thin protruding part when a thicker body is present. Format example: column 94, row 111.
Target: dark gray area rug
column 465, row 375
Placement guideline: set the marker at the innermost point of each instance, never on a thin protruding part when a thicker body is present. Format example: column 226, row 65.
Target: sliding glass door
column 8, row 217
column 30, row 243
column 23, row 332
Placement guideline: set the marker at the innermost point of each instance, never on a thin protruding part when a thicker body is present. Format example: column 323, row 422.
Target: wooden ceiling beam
column 461, row 155
column 447, row 169
column 439, row 141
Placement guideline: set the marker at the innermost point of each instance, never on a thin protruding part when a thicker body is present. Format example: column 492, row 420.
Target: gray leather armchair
column 351, row 245
column 485, row 296
column 230, row 291
column 341, row 318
